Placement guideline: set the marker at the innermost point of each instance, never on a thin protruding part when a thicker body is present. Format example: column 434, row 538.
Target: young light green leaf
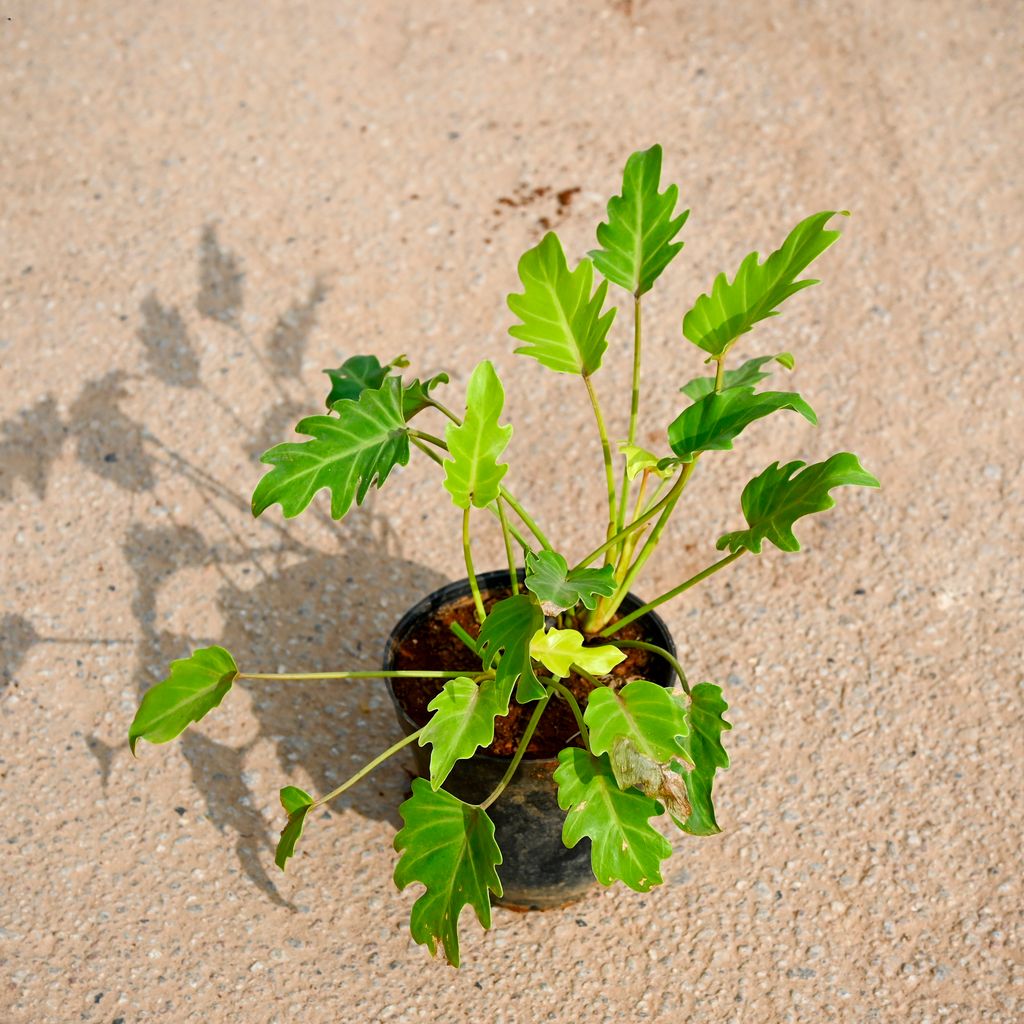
column 549, row 577
column 637, row 238
column 562, row 322
column 449, row 846
column 559, row 649
column 356, row 375
column 713, row 422
column 416, row 396
column 640, row 459
column 647, row 715
column 748, row 374
column 473, row 473
column 506, row 634
column 196, row 685
column 625, row 846
column 733, row 307
column 463, row 720
column 773, row 501
column 347, row 454
column 296, row 803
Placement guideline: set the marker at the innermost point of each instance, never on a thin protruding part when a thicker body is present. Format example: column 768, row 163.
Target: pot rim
column 656, row 627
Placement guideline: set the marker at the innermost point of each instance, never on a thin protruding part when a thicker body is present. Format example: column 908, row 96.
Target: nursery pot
column 537, row 871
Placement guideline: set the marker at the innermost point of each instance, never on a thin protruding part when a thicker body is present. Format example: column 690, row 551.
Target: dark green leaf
column 348, row 453
column 548, row 576
column 748, row 374
column 625, row 846
column 637, row 238
column 448, row 846
column 713, row 422
column 733, row 307
column 706, row 724
column 775, row 500
column 507, row 631
column 196, row 685
column 296, row 803
column 473, row 474
column 561, row 321
column 701, row 819
column 355, row 375
column 463, row 720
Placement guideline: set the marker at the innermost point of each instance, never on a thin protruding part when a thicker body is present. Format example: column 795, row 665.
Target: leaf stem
column 655, row 649
column 464, row 637
column 719, row 372
column 530, row 524
column 567, row 695
column 609, row 472
column 634, row 410
column 674, row 592
column 531, row 727
column 507, row 537
column 374, row 674
column 468, row 554
column 366, row 769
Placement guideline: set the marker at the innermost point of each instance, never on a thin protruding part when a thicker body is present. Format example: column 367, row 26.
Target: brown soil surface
column 432, row 645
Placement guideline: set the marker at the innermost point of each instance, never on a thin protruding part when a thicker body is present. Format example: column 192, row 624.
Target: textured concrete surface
column 205, row 203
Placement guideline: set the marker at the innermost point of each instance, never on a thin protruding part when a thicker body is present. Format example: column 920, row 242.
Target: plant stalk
column 531, row 728
column 634, row 410
column 609, row 472
column 401, row 674
column 366, row 769
column 567, row 695
column 655, row 649
column 507, row 537
column 468, row 554
column 674, row 592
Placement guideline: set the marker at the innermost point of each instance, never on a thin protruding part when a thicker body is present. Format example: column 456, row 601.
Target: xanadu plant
column 641, row 750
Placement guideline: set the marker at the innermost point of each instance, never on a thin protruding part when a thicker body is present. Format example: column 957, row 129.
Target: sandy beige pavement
column 203, row 204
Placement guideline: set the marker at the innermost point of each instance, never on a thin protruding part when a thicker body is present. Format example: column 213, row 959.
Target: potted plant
column 544, row 691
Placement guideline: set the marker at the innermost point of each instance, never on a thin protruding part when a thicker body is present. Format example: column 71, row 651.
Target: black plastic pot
column 537, row 872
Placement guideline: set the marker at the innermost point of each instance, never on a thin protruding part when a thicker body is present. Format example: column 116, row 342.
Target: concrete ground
column 203, row 204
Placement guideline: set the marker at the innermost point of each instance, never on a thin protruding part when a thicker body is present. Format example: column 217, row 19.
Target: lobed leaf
column 559, row 649
column 749, row 373
column 296, row 803
column 196, row 685
column 449, row 846
column 463, row 720
column 562, row 323
column 637, row 238
column 415, row 396
column 505, row 638
column 647, row 715
column 733, row 307
column 356, row 375
column 713, row 422
column 625, row 846
column 473, row 474
column 773, row 501
column 705, row 718
column 348, row 453
column 549, row 577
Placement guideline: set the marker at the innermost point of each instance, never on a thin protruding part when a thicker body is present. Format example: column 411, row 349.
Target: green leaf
column 715, row 420
column 448, row 846
column 637, row 238
column 548, row 576
column 775, row 500
column 705, row 718
column 196, row 685
column 733, row 308
column 561, row 321
column 416, row 396
column 473, row 473
column 356, row 375
column 647, row 715
column 296, row 803
column 506, row 633
column 626, row 847
column 748, row 374
column 640, row 459
column 559, row 649
column 463, row 720
column 347, row 454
